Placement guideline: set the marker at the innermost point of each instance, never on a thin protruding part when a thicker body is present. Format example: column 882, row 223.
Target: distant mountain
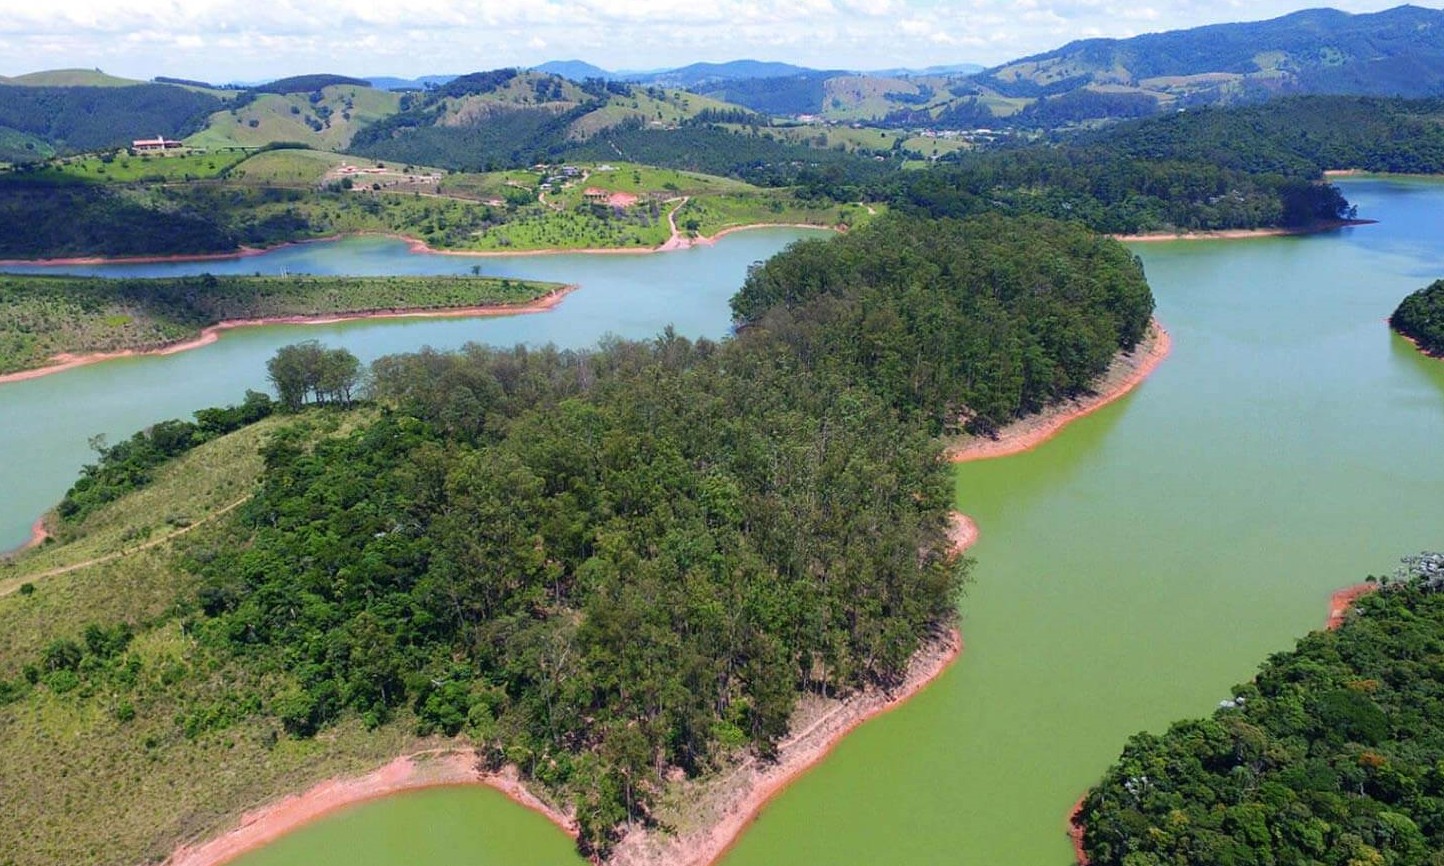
column 391, row 82
column 308, row 83
column 70, row 78
column 1398, row 52
column 911, row 72
column 690, row 77
column 575, row 70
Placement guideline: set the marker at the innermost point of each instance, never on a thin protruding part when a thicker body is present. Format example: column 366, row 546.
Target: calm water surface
column 1129, row 571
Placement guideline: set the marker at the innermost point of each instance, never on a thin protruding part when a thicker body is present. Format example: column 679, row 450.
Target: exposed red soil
column 407, row 773
column 1341, row 601
column 67, row 361
column 1239, row 234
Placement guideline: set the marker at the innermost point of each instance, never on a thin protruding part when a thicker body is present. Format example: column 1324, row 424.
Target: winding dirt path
column 9, row 586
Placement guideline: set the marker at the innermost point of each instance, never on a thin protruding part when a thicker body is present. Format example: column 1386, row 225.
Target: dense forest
column 1297, row 137
column 48, row 220
column 1333, row 754
column 957, row 322
column 610, row 565
column 1420, row 317
column 74, row 119
column 1115, row 193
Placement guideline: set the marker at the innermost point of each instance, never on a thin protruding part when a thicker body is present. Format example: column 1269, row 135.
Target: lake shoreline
column 438, row 768
column 414, row 245
column 1125, row 373
column 209, row 334
column 38, row 534
column 1340, row 602
column 738, row 805
column 1242, row 234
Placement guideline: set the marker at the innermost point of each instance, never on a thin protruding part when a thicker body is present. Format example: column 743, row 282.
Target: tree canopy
column 1331, row 755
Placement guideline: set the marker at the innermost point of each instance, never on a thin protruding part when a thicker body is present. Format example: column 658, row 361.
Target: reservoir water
column 1130, row 571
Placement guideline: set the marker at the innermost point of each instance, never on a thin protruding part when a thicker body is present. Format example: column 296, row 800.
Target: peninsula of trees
column 1420, row 317
column 1331, row 755
column 605, row 567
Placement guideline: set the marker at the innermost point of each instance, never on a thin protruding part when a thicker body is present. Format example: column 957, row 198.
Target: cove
column 45, row 423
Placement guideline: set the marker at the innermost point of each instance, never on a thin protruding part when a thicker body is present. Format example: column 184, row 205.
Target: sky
column 225, row 40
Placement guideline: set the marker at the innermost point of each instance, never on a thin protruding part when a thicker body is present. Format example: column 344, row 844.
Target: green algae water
column 1134, row 568
column 433, row 826
column 1130, row 570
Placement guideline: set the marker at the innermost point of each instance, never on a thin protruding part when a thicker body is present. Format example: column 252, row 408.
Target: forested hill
column 1332, row 755
column 1398, row 52
column 1115, row 193
column 93, row 118
column 1297, row 137
column 955, row 322
column 604, row 566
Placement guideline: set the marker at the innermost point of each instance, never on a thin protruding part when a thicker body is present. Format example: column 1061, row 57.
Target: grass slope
column 71, row 78
column 82, row 769
column 326, row 119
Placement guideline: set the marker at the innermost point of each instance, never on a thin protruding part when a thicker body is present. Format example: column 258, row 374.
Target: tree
column 303, row 369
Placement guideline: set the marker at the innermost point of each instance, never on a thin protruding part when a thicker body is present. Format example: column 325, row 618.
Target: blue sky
column 224, row 40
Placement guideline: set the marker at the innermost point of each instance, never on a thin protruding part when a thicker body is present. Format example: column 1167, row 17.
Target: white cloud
column 221, row 40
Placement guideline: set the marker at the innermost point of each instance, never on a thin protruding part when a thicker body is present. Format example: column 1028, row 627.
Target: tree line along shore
column 73, row 317
column 607, row 568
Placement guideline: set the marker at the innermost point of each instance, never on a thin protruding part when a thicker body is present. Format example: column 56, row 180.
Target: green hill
column 97, row 117
column 1398, row 52
column 70, row 78
column 1333, row 755
column 326, row 119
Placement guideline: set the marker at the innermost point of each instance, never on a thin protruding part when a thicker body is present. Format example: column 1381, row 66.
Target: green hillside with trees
column 1420, row 317
column 604, row 566
column 1333, row 754
column 76, row 119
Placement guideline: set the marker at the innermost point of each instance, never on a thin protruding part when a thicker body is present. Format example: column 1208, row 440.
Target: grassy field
column 119, row 167
column 286, row 167
column 708, row 216
column 578, row 228
column 70, row 78
column 326, row 124
column 41, row 317
column 120, row 760
column 658, row 106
